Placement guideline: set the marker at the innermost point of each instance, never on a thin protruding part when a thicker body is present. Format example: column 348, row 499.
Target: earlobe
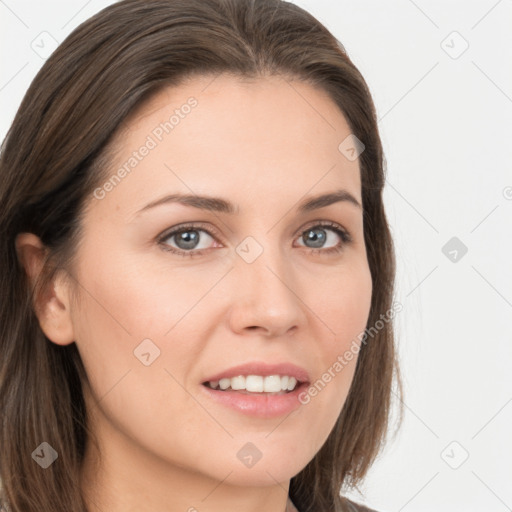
column 52, row 306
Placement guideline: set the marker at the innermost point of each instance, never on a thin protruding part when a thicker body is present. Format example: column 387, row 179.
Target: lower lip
column 262, row 406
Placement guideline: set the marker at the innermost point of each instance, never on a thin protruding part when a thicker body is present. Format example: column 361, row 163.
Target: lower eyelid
column 181, row 230
column 344, row 235
column 341, row 233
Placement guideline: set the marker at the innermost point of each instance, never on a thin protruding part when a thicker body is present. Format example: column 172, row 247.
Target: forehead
column 266, row 137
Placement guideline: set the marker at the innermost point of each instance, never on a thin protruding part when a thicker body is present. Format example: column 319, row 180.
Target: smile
column 255, row 383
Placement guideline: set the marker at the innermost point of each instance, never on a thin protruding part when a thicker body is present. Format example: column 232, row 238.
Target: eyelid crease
column 205, row 226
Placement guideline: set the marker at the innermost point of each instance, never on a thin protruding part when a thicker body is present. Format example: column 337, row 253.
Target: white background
column 446, row 123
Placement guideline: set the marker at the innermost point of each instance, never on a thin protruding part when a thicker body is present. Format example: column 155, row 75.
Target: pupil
column 317, row 239
column 189, row 241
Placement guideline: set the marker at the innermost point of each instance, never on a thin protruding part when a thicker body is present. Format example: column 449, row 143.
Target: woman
column 196, row 265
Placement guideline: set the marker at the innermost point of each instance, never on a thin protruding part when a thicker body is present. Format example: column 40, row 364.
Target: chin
column 278, row 463
column 262, row 474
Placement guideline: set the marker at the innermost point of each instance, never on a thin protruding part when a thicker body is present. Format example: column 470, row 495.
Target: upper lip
column 263, row 369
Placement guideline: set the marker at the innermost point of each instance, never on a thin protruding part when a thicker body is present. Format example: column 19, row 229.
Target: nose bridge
column 263, row 260
column 265, row 295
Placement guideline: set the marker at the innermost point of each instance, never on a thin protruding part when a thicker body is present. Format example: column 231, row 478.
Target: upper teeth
column 257, row 383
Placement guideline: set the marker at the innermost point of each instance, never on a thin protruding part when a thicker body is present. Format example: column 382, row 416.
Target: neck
column 128, row 478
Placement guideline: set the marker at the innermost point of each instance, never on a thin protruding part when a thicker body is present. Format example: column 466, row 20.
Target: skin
column 264, row 146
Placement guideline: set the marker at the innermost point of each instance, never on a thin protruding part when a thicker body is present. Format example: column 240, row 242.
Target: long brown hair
column 57, row 152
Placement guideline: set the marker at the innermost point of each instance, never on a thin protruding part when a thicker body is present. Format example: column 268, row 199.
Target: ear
column 52, row 307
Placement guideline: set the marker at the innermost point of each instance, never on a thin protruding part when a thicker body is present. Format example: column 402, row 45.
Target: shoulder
column 356, row 507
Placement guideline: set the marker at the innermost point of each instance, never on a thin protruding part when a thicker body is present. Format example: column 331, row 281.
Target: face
column 268, row 283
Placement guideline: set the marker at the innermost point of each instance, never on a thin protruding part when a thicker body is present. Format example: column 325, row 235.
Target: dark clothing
column 355, row 507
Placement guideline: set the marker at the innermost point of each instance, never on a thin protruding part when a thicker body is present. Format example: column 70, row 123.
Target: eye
column 187, row 238
column 318, row 235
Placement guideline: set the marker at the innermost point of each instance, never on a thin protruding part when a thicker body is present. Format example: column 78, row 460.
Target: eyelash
column 342, row 233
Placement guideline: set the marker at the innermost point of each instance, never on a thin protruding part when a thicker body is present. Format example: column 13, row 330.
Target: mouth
column 257, row 388
column 271, row 385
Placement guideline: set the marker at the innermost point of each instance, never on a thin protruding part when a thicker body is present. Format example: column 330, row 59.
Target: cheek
column 127, row 301
column 342, row 306
column 120, row 327
column 137, row 334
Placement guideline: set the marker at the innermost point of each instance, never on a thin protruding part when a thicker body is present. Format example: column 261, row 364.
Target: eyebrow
column 217, row 204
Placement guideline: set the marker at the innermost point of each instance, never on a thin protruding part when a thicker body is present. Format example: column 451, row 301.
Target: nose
column 266, row 297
